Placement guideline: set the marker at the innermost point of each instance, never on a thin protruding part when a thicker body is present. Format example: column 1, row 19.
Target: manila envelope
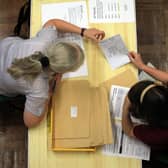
column 126, row 78
column 92, row 128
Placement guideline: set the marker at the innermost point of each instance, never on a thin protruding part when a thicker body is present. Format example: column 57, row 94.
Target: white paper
column 115, row 51
column 73, row 12
column 82, row 71
column 125, row 146
column 117, row 97
column 74, row 111
column 114, row 11
column 145, row 76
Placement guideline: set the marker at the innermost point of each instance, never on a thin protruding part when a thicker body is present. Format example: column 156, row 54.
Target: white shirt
column 14, row 47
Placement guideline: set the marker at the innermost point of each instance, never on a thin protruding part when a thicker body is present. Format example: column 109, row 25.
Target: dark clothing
column 156, row 138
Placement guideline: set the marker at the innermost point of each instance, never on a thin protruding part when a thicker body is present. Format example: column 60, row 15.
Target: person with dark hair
column 23, row 22
column 148, row 102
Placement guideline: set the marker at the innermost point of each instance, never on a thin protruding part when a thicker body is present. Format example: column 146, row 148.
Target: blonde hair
column 63, row 57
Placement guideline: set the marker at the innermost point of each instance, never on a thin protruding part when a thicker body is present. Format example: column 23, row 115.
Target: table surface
column 39, row 156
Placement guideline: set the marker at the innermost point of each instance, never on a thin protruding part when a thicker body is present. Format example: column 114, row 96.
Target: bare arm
column 127, row 124
column 31, row 120
column 91, row 33
column 157, row 74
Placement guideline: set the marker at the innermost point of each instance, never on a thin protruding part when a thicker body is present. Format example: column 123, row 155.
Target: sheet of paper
column 73, row 12
column 117, row 96
column 125, row 146
column 82, row 71
column 145, row 76
column 114, row 11
column 115, row 51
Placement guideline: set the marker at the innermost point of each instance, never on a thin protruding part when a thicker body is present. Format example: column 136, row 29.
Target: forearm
column 91, row 33
column 157, row 74
column 63, row 26
column 127, row 124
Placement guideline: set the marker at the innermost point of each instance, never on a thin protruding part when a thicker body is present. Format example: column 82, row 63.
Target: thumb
column 94, row 38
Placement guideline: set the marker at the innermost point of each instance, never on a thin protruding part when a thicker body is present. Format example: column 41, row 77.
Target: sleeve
column 48, row 33
column 150, row 135
column 37, row 96
column 35, row 105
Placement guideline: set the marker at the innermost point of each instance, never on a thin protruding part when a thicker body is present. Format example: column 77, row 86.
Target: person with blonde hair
column 27, row 67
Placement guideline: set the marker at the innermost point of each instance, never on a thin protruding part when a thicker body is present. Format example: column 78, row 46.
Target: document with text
column 123, row 145
column 73, row 12
column 115, row 51
column 111, row 11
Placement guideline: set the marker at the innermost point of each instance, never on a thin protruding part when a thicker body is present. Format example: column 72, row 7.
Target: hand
column 94, row 34
column 136, row 60
column 53, row 82
column 58, row 77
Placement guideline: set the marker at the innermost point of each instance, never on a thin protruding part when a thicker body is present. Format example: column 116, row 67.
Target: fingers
column 58, row 77
column 100, row 35
column 94, row 34
column 133, row 55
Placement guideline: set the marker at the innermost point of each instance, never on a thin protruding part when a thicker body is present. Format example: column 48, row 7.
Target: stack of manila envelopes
column 80, row 116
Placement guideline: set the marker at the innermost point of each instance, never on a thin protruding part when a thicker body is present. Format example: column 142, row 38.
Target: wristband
column 82, row 31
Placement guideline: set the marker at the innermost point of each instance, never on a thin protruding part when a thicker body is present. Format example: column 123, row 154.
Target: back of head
column 150, row 103
column 62, row 57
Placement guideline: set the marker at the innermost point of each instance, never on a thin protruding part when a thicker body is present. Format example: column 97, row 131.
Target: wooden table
column 38, row 154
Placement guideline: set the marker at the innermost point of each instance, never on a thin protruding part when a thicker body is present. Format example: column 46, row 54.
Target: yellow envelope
column 90, row 125
column 72, row 115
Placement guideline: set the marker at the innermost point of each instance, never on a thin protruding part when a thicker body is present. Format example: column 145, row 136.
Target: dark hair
column 154, row 107
column 23, row 17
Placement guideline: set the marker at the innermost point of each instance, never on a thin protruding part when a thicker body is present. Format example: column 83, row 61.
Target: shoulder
column 8, row 41
column 151, row 135
column 48, row 33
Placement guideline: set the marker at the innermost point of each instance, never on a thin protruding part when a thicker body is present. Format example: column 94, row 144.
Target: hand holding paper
column 94, row 34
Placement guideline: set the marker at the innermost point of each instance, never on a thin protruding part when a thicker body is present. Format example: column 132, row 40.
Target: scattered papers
column 73, row 12
column 123, row 145
column 115, row 51
column 114, row 11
